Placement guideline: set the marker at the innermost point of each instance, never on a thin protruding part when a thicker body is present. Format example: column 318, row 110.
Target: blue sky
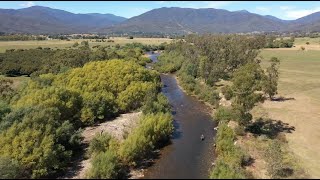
column 281, row 9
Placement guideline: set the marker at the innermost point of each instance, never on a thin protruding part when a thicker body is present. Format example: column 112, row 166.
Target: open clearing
column 299, row 82
column 16, row 80
column 116, row 128
column 54, row 44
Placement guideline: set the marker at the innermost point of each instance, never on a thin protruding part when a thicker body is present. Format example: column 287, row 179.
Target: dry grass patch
column 60, row 44
column 299, row 84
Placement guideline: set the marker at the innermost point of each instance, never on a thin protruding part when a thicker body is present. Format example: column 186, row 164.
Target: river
column 186, row 156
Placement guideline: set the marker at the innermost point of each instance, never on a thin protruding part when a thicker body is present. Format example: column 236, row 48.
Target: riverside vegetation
column 207, row 65
column 41, row 122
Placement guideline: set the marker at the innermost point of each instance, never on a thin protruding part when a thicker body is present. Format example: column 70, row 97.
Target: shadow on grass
column 269, row 127
column 281, row 99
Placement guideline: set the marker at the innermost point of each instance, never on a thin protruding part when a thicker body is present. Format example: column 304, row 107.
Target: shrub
column 239, row 130
column 224, row 171
column 105, row 165
column 224, row 114
column 231, row 159
column 10, row 168
column 227, row 92
column 100, row 143
column 153, row 130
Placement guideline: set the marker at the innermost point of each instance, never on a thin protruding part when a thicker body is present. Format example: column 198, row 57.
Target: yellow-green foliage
column 104, row 87
column 68, row 102
column 101, row 143
column 41, row 132
column 34, row 142
column 106, row 166
column 153, row 128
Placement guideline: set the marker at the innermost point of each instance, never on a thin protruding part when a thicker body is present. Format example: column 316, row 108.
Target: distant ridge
column 172, row 20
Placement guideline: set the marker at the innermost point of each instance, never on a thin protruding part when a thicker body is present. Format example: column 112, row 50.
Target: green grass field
column 299, row 79
column 54, row 44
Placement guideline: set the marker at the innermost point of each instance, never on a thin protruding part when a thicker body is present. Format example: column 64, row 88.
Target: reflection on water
column 187, row 156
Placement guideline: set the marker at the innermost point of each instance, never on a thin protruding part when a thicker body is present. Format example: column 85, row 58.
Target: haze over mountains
column 175, row 20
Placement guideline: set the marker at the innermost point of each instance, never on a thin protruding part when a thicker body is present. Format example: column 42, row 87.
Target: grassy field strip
column 64, row 44
column 299, row 79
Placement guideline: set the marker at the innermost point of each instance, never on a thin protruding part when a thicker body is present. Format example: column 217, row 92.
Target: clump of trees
column 34, row 62
column 272, row 42
column 40, row 127
column 20, row 37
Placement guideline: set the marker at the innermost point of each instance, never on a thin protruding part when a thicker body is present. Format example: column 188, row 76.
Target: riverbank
column 117, row 129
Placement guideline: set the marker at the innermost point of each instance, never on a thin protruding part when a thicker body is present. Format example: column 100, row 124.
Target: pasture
column 55, row 44
column 299, row 84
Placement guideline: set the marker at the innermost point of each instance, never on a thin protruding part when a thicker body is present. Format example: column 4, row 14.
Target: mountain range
column 38, row 19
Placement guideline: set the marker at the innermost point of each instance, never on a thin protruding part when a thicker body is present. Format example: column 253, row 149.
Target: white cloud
column 262, row 9
column 203, row 4
column 295, row 14
column 217, row 4
column 286, row 7
column 27, row 4
column 161, row 2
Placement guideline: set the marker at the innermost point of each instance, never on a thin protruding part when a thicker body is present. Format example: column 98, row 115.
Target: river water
column 187, row 156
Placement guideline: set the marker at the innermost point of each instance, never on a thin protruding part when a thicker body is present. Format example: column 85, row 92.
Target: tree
column 246, row 81
column 75, row 44
column 270, row 86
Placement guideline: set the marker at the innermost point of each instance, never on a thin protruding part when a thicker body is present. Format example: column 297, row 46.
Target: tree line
column 32, row 62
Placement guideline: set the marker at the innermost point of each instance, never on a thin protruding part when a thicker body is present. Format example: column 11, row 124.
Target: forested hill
column 187, row 20
column 164, row 20
column 38, row 19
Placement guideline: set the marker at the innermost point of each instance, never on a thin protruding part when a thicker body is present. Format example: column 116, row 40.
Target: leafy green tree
column 271, row 80
column 246, row 81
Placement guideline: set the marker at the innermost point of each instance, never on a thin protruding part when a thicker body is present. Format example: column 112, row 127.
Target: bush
column 231, row 159
column 227, row 92
column 224, row 171
column 224, row 114
column 105, row 165
column 239, row 130
column 10, row 169
column 155, row 104
column 100, row 143
column 275, row 159
column 153, row 130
